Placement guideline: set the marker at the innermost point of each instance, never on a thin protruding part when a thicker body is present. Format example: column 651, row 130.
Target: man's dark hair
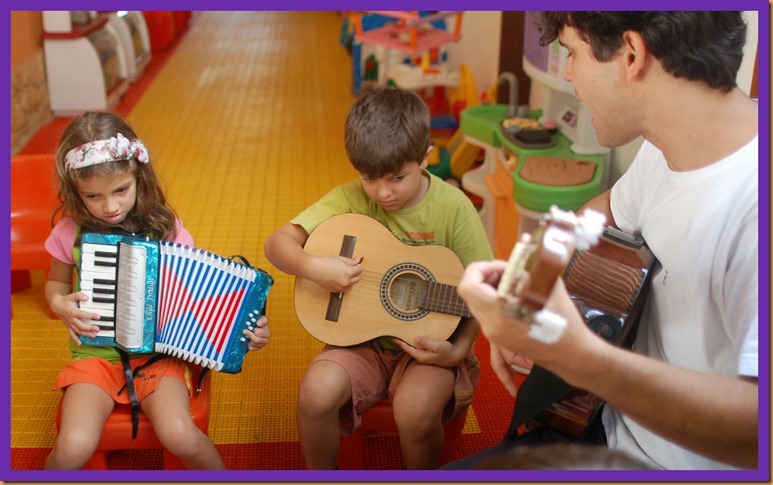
column 698, row 46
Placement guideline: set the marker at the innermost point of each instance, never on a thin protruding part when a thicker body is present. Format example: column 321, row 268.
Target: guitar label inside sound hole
column 404, row 291
column 408, row 292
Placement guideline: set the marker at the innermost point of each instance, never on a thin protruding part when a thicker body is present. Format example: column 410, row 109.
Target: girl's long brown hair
column 151, row 214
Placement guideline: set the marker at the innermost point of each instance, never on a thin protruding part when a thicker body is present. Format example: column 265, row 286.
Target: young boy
column 428, row 381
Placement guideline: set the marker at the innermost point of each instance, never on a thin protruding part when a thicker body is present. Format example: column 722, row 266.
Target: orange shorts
column 110, row 376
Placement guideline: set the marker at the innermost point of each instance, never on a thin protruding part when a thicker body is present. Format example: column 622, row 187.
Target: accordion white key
column 170, row 298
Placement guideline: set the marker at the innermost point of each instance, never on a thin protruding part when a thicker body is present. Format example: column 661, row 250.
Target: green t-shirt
column 445, row 216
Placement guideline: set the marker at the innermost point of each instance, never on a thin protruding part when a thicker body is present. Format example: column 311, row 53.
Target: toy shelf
column 76, row 30
column 134, row 41
column 84, row 68
column 410, row 33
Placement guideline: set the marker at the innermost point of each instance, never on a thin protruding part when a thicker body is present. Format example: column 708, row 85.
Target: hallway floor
column 244, row 124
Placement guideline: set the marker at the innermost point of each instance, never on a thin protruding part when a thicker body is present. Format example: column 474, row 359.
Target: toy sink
column 482, row 122
column 554, row 175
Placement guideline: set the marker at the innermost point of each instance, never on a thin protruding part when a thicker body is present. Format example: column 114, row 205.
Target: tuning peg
column 547, row 326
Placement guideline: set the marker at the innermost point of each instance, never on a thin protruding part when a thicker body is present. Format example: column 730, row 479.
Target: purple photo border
column 761, row 474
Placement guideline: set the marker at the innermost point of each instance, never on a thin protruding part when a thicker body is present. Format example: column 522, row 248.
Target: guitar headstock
column 538, row 260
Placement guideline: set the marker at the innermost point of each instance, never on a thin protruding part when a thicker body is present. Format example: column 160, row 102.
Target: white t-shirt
column 702, row 312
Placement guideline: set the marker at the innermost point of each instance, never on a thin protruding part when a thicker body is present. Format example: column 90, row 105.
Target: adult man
column 686, row 398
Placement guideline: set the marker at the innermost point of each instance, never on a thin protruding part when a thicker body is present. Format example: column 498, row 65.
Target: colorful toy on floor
column 398, row 38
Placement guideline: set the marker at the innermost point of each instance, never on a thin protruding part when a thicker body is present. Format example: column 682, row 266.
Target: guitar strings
column 449, row 302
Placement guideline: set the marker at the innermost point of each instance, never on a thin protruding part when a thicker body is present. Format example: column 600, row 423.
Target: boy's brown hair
column 385, row 129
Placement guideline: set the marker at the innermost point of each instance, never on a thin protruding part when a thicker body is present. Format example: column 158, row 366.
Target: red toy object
column 117, row 433
column 379, row 418
column 181, row 20
column 33, row 202
column 162, row 28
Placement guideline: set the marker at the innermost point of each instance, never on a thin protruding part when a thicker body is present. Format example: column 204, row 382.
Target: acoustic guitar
column 404, row 291
column 607, row 277
column 609, row 284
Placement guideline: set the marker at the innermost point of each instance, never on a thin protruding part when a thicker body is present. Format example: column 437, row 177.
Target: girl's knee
column 73, row 450
column 179, row 435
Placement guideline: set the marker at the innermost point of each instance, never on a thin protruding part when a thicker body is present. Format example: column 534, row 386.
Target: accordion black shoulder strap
column 129, row 386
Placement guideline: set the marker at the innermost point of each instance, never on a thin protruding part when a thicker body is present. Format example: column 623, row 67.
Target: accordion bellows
column 170, row 298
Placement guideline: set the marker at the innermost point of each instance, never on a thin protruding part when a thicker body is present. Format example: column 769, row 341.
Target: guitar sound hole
column 408, row 292
column 404, row 291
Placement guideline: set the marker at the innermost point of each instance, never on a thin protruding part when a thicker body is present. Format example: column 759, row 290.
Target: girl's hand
column 260, row 335
column 66, row 308
column 441, row 353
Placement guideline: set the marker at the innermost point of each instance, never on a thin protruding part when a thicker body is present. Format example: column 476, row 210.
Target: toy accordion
column 170, row 298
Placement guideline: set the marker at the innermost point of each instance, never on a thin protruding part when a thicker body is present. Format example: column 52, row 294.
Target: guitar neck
column 443, row 298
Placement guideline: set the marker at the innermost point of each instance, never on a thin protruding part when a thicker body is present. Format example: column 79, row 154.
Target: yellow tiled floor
column 244, row 124
column 245, row 128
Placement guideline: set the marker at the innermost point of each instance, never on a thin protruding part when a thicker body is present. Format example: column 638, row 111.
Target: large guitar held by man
column 404, row 291
column 606, row 275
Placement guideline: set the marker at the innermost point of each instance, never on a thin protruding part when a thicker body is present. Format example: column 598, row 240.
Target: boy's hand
column 500, row 363
column 66, row 308
column 260, row 335
column 337, row 273
column 435, row 352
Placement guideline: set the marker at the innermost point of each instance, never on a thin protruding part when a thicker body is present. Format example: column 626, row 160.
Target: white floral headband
column 102, row 151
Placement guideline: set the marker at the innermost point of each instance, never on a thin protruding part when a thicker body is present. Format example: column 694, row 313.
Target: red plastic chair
column 117, row 433
column 162, row 28
column 181, row 18
column 33, row 202
column 379, row 418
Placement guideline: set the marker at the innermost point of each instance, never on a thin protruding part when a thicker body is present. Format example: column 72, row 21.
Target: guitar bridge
column 334, row 303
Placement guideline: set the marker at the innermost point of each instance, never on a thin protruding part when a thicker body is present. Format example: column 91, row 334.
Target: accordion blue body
column 170, row 298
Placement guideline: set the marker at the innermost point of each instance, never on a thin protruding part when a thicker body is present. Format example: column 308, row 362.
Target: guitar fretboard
column 443, row 298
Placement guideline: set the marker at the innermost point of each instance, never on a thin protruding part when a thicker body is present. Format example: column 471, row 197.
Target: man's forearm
column 715, row 416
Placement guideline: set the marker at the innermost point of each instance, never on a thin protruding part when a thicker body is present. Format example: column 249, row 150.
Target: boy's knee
column 415, row 417
column 322, row 392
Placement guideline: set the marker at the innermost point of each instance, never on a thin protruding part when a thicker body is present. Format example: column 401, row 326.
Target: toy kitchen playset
column 533, row 159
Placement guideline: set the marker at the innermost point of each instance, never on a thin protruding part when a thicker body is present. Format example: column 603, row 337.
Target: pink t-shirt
column 60, row 245
column 62, row 239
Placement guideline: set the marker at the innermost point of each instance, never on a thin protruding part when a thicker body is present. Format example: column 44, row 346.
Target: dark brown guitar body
column 609, row 284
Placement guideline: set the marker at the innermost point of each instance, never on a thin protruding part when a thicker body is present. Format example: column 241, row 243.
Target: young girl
column 107, row 185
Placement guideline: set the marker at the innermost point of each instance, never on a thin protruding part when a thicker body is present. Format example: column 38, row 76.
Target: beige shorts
column 375, row 374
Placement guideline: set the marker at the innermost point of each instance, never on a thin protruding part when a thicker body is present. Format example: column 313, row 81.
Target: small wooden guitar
column 404, row 291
